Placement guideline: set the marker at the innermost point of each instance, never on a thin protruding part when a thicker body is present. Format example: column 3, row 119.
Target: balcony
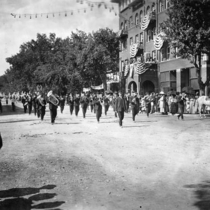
column 122, row 34
column 152, row 16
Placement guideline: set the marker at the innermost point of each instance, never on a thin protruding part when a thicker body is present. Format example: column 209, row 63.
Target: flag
column 141, row 67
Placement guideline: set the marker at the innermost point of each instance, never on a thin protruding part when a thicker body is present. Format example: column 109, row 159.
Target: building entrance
column 148, row 86
column 132, row 86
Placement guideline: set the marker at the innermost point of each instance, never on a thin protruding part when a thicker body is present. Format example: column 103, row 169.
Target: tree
column 188, row 29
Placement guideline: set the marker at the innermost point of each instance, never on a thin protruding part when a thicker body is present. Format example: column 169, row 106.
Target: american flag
column 141, row 67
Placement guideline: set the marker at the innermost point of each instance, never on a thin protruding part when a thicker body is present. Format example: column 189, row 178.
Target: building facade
column 147, row 63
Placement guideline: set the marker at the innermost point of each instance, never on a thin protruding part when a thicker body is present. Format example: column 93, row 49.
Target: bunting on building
column 141, row 67
column 133, row 50
column 158, row 41
column 145, row 22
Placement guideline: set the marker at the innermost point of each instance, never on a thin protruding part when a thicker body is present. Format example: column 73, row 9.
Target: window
column 141, row 15
column 167, row 4
column 163, row 54
column 168, row 53
column 137, row 19
column 154, row 55
column 126, row 25
column 176, row 52
column 150, row 35
column 153, row 8
column 122, row 66
column 122, row 26
column 141, row 37
column 131, row 40
column 160, row 5
column 131, row 21
column 137, row 38
column 125, row 44
column 147, row 12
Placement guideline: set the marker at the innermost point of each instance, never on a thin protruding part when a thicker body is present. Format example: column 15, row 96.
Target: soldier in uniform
column 24, row 102
column 42, row 105
column 29, row 99
column 98, row 106
column 70, row 101
column 34, row 97
column 62, row 103
column 53, row 108
column 76, row 104
column 106, row 103
column 84, row 104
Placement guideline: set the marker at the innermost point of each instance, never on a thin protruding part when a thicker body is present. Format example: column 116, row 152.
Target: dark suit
column 106, row 105
column 53, row 111
column 76, row 105
column 84, row 105
column 98, row 108
column 134, row 107
column 120, row 107
column 62, row 103
column 71, row 104
column 181, row 102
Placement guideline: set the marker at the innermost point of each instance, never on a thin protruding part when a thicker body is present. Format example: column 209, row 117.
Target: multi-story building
column 147, row 63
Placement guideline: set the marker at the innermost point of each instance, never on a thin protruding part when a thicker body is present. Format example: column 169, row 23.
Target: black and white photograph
column 105, row 104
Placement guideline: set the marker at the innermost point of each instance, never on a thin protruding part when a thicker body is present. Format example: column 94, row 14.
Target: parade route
column 156, row 163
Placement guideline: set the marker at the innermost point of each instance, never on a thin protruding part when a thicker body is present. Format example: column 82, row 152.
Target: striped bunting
column 133, row 50
column 158, row 41
column 141, row 67
column 145, row 22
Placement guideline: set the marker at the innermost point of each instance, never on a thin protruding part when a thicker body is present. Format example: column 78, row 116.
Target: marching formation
column 173, row 103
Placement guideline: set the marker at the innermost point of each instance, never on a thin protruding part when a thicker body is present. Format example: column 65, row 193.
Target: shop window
column 173, row 75
column 137, row 19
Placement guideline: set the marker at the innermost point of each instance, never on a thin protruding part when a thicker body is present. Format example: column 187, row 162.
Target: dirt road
column 157, row 163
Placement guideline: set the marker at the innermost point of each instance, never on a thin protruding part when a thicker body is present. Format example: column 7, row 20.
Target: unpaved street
column 157, row 163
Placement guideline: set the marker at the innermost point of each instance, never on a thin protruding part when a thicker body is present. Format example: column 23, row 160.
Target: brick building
column 147, row 63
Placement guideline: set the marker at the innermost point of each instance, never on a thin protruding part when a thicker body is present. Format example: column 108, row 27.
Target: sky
column 16, row 31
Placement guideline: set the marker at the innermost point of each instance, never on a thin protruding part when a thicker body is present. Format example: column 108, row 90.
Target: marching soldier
column 24, row 102
column 84, row 104
column 70, row 101
column 106, row 103
column 62, row 103
column 98, row 107
column 53, row 105
column 91, row 101
column 34, row 103
column 42, row 105
column 76, row 104
column 29, row 99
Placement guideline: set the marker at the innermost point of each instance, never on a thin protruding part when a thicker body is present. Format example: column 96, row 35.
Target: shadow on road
column 14, row 200
column 7, row 110
column 16, row 121
column 202, row 194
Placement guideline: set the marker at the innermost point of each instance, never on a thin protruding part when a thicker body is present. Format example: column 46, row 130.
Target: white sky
column 15, row 31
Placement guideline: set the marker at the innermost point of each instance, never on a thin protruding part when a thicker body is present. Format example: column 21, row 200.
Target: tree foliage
column 188, row 29
column 78, row 61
